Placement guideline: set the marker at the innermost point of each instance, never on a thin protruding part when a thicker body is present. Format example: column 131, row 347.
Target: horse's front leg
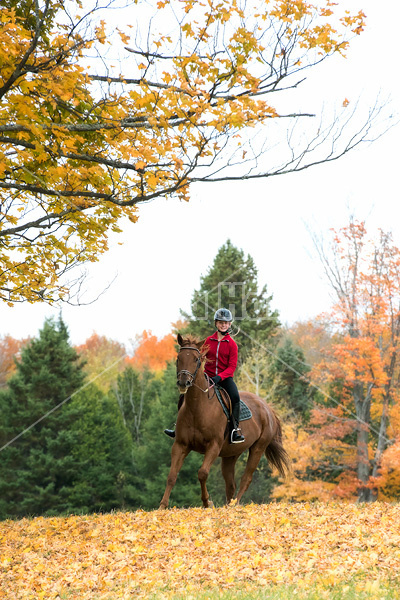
column 210, row 455
column 178, row 454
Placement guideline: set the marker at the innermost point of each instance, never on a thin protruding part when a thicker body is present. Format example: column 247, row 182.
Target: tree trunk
column 382, row 437
column 363, row 409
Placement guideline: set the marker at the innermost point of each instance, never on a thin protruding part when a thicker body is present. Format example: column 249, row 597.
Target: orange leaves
column 361, row 360
column 9, row 350
column 104, row 359
column 153, row 353
column 360, row 372
column 181, row 553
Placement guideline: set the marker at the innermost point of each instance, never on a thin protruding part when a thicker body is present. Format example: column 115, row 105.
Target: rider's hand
column 216, row 379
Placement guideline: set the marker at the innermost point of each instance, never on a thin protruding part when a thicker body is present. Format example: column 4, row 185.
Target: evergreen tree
column 231, row 282
column 35, row 467
column 78, row 458
column 293, row 389
column 103, row 467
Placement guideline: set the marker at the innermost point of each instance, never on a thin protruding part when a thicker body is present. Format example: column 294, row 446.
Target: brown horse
column 202, row 427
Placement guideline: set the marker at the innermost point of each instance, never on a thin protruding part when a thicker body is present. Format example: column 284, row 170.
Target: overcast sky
column 162, row 257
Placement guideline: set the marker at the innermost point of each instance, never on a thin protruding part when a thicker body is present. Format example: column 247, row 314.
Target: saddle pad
column 245, row 412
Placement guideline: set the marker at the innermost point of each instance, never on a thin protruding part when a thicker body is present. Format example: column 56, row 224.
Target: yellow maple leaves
column 78, row 147
column 183, row 552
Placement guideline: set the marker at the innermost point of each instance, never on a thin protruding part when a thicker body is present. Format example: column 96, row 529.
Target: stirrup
column 170, row 432
column 236, row 436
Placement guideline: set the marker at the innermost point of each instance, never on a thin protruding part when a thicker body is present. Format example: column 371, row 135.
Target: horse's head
column 188, row 362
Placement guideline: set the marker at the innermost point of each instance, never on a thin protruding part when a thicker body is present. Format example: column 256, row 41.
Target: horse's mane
column 191, row 340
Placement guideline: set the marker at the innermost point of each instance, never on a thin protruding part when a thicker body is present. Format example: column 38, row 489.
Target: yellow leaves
column 182, row 552
column 101, row 33
column 158, row 126
column 178, row 163
column 140, row 165
column 124, row 38
column 166, row 77
column 187, row 30
column 357, row 22
column 286, row 10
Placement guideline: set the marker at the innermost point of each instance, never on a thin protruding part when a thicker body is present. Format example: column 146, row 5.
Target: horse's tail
column 276, row 453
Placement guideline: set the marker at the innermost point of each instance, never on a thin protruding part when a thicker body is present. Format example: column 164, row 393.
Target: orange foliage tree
column 85, row 137
column 105, row 358
column 152, row 353
column 9, row 349
column 357, row 428
column 313, row 337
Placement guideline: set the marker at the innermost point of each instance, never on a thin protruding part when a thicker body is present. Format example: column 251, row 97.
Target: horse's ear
column 199, row 345
column 179, row 339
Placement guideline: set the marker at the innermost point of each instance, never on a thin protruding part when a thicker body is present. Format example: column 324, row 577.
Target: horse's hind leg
column 255, row 453
column 209, row 457
column 178, row 455
column 228, row 472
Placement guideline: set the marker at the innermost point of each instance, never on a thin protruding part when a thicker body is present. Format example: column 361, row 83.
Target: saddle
column 225, row 401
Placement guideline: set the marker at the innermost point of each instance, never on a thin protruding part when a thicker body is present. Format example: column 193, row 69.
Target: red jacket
column 222, row 356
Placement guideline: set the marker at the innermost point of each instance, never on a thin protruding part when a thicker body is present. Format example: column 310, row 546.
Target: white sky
column 163, row 255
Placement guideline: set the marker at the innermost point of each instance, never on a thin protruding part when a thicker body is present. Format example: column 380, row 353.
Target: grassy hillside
column 270, row 551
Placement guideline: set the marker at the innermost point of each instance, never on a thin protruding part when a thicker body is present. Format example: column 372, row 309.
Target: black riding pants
column 230, row 386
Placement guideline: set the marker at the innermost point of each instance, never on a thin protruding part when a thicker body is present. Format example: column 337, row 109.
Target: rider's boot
column 236, row 434
column 171, row 432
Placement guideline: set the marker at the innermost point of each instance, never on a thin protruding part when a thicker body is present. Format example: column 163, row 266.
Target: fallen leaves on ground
column 126, row 555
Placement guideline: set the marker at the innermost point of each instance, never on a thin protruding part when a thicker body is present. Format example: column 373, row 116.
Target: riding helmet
column 223, row 314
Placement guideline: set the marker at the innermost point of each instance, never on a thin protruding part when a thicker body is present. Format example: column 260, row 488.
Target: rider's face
column 222, row 326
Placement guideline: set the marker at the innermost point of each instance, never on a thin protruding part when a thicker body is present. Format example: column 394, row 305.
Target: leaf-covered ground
column 186, row 552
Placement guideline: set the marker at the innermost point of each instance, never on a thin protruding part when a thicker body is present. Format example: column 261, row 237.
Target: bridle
column 192, row 376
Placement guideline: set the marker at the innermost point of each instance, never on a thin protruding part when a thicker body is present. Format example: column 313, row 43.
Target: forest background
column 81, row 427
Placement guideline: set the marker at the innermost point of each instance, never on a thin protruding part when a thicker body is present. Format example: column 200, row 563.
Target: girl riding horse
column 221, row 362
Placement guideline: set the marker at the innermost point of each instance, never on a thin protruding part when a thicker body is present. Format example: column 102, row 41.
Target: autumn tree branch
column 84, row 138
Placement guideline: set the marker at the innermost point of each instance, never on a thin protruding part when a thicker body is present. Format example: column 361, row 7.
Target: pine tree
column 293, row 391
column 78, row 457
column 103, row 468
column 232, row 282
column 37, row 465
